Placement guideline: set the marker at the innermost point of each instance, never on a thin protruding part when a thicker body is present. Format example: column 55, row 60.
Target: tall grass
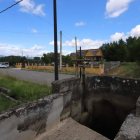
column 24, row 90
column 6, row 103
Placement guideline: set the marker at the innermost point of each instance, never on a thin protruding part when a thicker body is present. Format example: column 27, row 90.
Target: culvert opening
column 105, row 118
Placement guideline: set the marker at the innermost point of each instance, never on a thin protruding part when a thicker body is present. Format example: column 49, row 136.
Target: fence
column 97, row 69
column 111, row 65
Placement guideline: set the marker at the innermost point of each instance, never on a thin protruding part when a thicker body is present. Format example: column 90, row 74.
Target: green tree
column 46, row 59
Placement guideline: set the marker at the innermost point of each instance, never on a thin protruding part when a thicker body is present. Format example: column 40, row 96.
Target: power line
column 37, row 15
column 66, row 37
column 11, row 6
column 43, row 19
column 67, row 33
column 23, row 32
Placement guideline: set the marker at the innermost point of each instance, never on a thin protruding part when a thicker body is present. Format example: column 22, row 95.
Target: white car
column 4, row 64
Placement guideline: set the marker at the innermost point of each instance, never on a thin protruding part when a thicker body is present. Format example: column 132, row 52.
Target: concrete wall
column 103, row 103
column 111, row 65
column 73, row 86
column 27, row 121
column 99, row 97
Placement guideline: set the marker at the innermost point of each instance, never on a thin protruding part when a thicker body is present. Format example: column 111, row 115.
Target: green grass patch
column 23, row 91
column 129, row 69
column 6, row 103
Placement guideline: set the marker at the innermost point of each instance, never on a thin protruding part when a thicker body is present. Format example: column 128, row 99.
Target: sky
column 28, row 26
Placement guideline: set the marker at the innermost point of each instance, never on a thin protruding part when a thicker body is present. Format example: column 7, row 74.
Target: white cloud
column 11, row 49
column 114, row 8
column 135, row 31
column 2, row 45
column 52, row 43
column 116, row 36
column 34, row 31
column 65, row 52
column 37, row 47
column 85, row 43
column 29, row 6
column 80, row 24
column 38, row 10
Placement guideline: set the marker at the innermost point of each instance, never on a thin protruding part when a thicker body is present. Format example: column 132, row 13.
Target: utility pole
column 22, row 53
column 76, row 46
column 60, row 50
column 55, row 40
column 76, row 57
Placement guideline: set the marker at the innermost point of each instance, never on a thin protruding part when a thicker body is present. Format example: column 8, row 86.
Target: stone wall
column 111, row 65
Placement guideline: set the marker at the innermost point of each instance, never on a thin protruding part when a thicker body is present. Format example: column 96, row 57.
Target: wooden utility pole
column 60, row 50
column 76, row 57
column 55, row 40
column 76, row 46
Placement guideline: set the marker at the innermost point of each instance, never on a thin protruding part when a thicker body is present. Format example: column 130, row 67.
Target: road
column 33, row 76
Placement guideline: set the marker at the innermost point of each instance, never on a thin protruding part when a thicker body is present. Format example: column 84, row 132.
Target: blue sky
column 93, row 22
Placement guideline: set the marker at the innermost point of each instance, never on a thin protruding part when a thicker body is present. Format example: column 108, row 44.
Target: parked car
column 4, row 64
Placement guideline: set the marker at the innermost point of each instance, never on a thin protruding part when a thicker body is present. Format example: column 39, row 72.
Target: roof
column 83, row 52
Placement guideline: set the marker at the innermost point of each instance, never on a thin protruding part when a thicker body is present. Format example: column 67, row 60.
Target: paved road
column 38, row 77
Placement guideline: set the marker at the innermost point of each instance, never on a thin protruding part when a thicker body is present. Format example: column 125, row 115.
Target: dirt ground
column 71, row 130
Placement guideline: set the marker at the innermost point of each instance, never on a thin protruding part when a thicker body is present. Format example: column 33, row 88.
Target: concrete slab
column 70, row 130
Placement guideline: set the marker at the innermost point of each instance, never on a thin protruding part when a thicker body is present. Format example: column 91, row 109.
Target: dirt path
column 71, row 130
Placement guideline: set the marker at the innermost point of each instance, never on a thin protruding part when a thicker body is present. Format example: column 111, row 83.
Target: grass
column 6, row 103
column 23, row 91
column 52, row 71
column 129, row 69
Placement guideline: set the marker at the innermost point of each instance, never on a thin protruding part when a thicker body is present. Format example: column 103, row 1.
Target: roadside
column 34, row 76
column 22, row 91
column 129, row 69
column 60, row 72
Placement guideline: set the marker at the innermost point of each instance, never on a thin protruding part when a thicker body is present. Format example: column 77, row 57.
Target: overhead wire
column 36, row 16
column 11, row 6
column 23, row 32
column 66, row 37
column 44, row 19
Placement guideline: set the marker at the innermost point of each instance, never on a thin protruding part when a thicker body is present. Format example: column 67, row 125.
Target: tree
column 51, row 55
column 23, row 60
column 46, row 59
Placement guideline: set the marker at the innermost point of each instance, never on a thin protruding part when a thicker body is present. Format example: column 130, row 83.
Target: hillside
column 129, row 69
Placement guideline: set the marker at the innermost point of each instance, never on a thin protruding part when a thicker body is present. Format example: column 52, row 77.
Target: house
column 92, row 54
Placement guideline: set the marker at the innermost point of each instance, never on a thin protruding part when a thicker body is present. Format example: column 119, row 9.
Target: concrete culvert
column 102, row 103
column 106, row 103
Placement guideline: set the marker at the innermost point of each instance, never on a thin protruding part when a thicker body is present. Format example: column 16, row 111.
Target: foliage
column 46, row 59
column 101, row 62
column 23, row 60
column 67, row 60
column 122, row 51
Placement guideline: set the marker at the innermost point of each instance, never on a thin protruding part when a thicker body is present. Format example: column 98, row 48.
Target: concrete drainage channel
column 104, row 104
column 108, row 105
